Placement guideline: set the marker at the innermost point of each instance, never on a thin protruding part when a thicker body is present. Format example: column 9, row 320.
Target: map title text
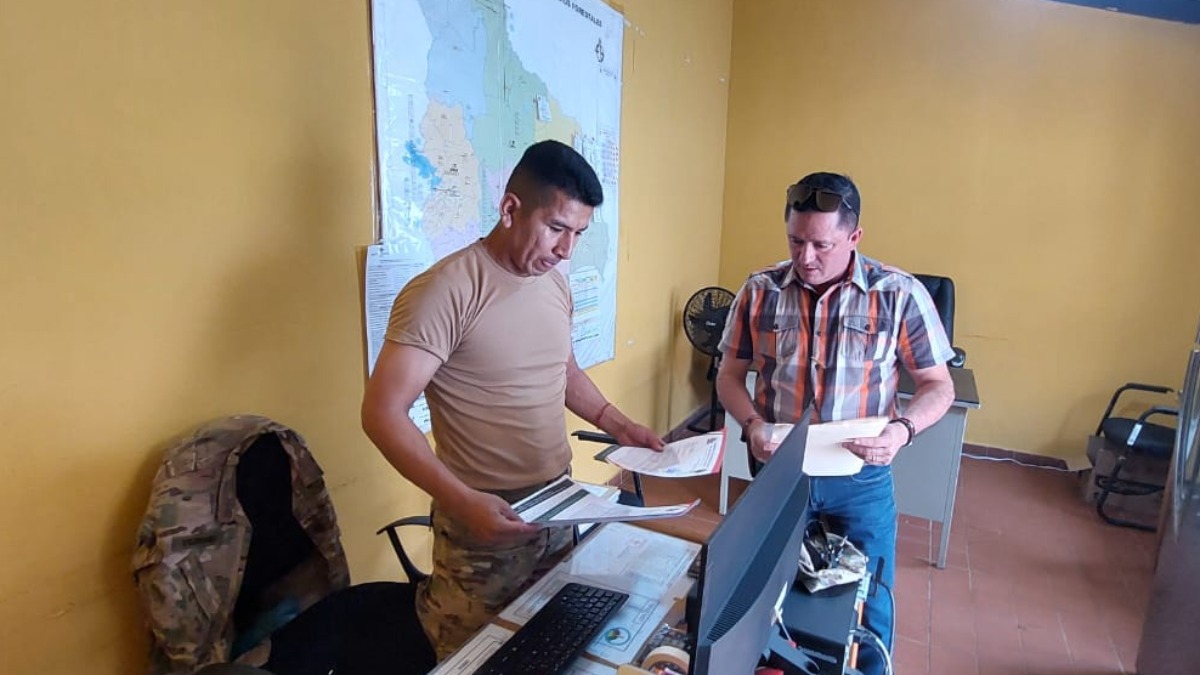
column 583, row 12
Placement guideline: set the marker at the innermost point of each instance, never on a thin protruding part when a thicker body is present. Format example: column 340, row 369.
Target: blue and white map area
column 462, row 87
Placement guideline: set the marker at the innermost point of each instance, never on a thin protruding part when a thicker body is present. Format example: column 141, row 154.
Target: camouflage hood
column 192, row 544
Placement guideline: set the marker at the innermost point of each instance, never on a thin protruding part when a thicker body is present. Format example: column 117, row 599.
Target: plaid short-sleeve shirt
column 843, row 347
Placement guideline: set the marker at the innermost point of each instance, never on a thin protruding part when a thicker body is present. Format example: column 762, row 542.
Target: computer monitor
column 749, row 563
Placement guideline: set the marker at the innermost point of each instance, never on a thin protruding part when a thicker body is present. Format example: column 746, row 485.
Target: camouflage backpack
column 193, row 564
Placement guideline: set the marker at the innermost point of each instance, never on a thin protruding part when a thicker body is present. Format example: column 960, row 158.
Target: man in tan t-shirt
column 486, row 334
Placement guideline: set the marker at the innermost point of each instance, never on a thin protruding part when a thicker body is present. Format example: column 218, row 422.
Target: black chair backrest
column 278, row 543
column 942, row 291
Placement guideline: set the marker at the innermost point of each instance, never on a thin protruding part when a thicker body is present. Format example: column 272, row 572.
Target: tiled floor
column 1035, row 584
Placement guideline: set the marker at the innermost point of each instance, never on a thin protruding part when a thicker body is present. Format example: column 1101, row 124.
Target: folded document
column 824, row 454
column 565, row 502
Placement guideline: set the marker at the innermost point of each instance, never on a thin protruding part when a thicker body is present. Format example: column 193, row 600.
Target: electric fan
column 704, row 318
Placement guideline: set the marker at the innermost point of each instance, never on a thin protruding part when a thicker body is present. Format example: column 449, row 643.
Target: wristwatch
column 909, row 426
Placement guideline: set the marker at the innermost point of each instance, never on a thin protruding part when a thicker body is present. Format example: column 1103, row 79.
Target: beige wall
column 1045, row 156
column 184, row 187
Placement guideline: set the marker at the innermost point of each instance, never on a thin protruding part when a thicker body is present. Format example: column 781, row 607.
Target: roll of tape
column 666, row 660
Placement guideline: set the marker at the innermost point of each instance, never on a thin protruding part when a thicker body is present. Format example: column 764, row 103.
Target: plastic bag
column 828, row 559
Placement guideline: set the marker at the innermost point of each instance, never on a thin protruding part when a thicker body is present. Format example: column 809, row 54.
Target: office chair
column 941, row 289
column 360, row 630
column 285, row 592
column 414, row 574
column 1128, row 438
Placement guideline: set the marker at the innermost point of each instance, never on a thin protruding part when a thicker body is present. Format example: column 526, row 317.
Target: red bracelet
column 607, row 405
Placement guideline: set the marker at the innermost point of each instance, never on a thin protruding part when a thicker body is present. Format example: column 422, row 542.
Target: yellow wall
column 183, row 190
column 1045, row 156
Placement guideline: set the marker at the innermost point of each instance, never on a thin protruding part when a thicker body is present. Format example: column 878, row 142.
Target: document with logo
column 565, row 502
column 694, row 456
column 824, row 454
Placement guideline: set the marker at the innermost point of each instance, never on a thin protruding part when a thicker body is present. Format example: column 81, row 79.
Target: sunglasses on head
column 822, row 200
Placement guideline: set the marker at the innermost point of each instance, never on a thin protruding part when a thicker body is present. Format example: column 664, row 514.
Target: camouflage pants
column 472, row 581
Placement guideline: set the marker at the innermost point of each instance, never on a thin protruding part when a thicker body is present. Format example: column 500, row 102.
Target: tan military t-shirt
column 497, row 401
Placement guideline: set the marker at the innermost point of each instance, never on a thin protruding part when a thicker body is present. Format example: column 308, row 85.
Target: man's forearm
column 585, row 400
column 408, row 451
column 734, row 397
column 930, row 401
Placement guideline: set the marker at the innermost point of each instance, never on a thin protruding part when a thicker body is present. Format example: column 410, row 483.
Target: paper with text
column 387, row 271
column 694, row 456
column 565, row 502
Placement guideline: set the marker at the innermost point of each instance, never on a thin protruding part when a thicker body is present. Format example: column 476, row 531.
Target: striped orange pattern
column 842, row 348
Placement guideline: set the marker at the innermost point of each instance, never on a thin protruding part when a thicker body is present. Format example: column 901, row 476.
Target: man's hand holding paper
column 693, row 456
column 565, row 502
column 831, row 445
column 879, row 450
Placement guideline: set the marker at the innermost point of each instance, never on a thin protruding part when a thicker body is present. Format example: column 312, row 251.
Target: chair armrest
column 410, row 570
column 595, row 437
column 1157, row 410
column 1128, row 386
column 1141, row 421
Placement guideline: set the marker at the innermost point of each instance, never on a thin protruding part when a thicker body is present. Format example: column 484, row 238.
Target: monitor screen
column 750, row 562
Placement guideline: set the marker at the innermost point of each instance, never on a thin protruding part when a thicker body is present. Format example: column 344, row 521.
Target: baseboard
column 1022, row 457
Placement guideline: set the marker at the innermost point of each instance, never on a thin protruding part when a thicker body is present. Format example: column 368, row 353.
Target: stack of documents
column 565, row 502
column 694, row 456
column 824, row 454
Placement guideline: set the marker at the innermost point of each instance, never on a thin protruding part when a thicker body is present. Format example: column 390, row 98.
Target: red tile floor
column 1035, row 583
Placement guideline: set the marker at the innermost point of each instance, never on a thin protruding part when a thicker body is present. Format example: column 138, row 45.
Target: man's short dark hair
column 837, row 183
column 550, row 165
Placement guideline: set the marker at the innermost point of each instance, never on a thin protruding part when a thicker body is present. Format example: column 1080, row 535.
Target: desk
column 926, row 473
column 650, row 566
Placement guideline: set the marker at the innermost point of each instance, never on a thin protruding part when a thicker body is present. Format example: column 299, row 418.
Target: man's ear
column 856, row 235
column 509, row 205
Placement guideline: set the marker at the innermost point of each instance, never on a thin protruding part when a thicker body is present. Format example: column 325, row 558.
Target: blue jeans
column 862, row 508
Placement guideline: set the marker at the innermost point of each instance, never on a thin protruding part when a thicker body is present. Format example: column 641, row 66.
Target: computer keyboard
column 556, row 634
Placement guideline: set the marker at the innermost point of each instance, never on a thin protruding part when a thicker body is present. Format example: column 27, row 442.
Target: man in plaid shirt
column 832, row 326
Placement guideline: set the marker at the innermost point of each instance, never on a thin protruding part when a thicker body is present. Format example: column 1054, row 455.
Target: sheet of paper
column 693, row 456
column 388, row 269
column 650, row 566
column 565, row 502
column 824, row 454
column 609, row 493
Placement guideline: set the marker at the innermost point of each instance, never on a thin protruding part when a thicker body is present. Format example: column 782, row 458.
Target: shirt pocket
column 865, row 338
column 782, row 339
